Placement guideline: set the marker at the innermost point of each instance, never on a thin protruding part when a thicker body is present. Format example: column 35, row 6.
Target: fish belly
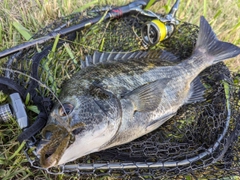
column 138, row 124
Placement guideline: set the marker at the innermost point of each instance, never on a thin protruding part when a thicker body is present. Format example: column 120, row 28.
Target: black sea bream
column 115, row 99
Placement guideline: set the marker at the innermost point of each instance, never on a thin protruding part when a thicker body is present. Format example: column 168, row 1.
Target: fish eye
column 65, row 109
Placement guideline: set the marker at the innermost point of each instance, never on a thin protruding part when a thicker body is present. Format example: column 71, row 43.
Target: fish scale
column 131, row 78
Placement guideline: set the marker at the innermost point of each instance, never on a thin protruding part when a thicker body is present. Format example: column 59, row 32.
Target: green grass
column 20, row 19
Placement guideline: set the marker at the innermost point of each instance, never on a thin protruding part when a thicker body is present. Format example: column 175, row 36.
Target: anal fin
column 196, row 91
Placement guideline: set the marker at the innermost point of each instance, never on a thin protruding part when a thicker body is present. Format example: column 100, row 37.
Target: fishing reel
column 160, row 28
column 156, row 31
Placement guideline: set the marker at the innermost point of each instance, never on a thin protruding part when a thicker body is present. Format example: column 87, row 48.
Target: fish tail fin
column 207, row 42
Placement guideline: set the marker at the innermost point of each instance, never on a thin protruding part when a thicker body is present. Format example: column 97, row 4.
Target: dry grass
column 35, row 14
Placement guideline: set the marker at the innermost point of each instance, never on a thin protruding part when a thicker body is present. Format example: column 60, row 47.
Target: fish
column 118, row 97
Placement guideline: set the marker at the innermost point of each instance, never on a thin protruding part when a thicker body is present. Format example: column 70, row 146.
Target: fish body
column 122, row 98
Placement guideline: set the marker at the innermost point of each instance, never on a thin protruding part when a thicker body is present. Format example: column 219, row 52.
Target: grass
column 21, row 19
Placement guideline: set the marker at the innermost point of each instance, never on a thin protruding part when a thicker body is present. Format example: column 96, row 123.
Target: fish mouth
column 51, row 148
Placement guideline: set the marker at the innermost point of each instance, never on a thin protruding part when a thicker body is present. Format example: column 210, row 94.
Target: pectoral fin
column 148, row 96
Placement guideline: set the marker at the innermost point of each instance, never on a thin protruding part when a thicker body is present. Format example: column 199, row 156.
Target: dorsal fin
column 89, row 60
column 167, row 56
column 96, row 57
column 83, row 64
column 99, row 57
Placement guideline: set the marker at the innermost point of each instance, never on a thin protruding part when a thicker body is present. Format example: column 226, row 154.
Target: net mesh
column 201, row 141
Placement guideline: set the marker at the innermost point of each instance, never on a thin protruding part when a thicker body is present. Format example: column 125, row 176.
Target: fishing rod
column 152, row 33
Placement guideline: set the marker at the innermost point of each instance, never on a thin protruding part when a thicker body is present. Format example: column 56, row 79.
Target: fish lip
column 50, row 151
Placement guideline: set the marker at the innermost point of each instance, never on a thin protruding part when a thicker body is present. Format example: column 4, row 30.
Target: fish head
column 78, row 126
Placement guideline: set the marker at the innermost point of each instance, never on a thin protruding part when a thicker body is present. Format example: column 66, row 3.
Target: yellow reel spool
column 155, row 31
column 162, row 29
